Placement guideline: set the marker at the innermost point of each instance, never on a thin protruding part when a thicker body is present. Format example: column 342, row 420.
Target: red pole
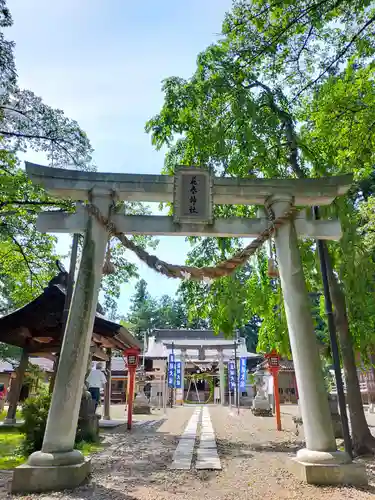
column 275, row 375
column 131, row 373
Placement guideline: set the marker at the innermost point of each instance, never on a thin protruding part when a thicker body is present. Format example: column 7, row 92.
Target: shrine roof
column 44, row 364
column 186, row 334
column 286, row 365
column 160, row 345
column 38, row 325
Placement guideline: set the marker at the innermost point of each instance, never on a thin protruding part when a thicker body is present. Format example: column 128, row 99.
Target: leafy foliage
column 7, row 67
column 226, row 117
column 34, row 412
column 10, row 443
column 298, row 44
column 26, row 122
column 147, row 313
column 27, row 256
column 287, row 91
column 10, row 353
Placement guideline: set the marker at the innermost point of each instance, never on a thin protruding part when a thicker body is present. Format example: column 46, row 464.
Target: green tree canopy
column 286, row 91
column 147, row 313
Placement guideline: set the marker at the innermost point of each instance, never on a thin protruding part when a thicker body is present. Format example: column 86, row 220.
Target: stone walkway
column 207, row 457
column 253, row 456
column 183, row 455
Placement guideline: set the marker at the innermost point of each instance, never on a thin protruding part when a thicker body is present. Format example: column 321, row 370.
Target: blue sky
column 103, row 63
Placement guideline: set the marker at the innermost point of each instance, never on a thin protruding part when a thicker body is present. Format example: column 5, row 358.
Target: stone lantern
column 141, row 406
column 261, row 405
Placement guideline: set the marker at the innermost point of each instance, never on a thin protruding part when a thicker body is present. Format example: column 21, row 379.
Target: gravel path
column 253, row 455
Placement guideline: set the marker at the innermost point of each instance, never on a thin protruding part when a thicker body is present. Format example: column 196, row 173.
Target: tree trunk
column 16, row 387
column 53, row 376
column 372, row 361
column 363, row 441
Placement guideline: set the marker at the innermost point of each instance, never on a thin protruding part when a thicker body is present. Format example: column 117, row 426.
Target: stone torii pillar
column 183, row 363
column 320, row 462
column 107, row 388
column 221, row 376
column 58, row 465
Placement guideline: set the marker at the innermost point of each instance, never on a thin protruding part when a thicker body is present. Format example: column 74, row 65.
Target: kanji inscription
column 193, row 196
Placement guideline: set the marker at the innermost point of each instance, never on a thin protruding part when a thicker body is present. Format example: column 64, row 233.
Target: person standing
column 147, row 390
column 3, row 395
column 270, row 391
column 96, row 382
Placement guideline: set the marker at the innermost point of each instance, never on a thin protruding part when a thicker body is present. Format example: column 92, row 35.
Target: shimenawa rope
column 222, row 269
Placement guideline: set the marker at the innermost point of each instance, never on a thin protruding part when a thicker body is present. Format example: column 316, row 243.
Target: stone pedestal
column 334, row 468
column 88, row 420
column 179, row 397
column 46, row 478
column 335, row 415
column 11, row 422
column 261, row 407
column 321, row 453
column 141, row 406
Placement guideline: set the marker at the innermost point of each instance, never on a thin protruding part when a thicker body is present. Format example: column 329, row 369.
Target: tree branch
column 255, row 16
column 299, row 53
column 287, row 121
column 291, row 23
column 336, row 59
column 32, row 274
column 36, row 203
column 53, row 140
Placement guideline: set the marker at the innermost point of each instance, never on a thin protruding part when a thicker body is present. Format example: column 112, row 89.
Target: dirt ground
column 254, row 458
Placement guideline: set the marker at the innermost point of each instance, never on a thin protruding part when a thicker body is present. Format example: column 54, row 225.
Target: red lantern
column 132, row 356
column 273, row 361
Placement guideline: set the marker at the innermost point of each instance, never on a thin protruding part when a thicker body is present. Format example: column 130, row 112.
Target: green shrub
column 35, row 413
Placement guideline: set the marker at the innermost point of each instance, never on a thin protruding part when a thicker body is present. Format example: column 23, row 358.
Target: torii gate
column 58, row 465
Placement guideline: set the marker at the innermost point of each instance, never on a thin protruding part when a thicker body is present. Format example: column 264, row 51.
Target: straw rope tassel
column 108, row 266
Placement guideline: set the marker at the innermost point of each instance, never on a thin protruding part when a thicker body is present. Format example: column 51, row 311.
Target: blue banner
column 243, row 371
column 171, row 366
column 178, row 375
column 232, row 375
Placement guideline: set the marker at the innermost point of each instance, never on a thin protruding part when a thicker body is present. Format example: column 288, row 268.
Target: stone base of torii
column 58, row 465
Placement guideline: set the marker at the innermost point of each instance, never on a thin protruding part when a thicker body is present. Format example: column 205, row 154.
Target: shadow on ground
column 140, row 459
column 99, row 492
column 281, row 447
column 227, row 448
